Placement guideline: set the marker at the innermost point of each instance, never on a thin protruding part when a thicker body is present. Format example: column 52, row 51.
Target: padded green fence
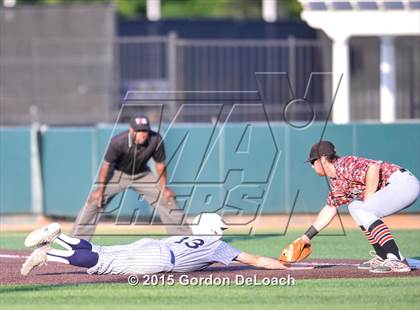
column 15, row 170
column 245, row 168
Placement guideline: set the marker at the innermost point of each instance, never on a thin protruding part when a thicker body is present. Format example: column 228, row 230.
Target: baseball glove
column 295, row 252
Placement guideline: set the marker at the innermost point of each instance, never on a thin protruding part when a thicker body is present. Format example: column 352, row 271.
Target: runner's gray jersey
column 198, row 252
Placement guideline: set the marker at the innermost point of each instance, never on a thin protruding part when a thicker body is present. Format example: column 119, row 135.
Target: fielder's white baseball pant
column 402, row 191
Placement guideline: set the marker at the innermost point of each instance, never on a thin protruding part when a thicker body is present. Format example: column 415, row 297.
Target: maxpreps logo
column 226, row 165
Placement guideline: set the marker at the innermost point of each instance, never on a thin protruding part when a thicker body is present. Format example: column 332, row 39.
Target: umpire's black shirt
column 132, row 158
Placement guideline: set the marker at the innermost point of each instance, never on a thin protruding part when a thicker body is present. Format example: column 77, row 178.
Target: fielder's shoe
column 37, row 258
column 43, row 236
column 392, row 264
column 372, row 263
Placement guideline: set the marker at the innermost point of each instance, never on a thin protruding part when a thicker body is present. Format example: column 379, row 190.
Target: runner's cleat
column 43, row 236
column 37, row 258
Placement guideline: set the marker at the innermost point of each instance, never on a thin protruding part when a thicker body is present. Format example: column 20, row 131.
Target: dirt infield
column 54, row 273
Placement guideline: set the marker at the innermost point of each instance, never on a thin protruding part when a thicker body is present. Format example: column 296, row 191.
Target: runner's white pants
column 144, row 256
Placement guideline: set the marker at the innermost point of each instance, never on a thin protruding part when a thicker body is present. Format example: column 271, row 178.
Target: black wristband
column 311, row 232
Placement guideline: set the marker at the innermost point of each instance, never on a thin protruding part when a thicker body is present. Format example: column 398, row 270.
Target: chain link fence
column 272, row 72
column 56, row 64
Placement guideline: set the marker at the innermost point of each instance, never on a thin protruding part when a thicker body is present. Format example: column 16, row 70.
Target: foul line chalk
column 301, row 268
column 325, row 264
column 12, row 256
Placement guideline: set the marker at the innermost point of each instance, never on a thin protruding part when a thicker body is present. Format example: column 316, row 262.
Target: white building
column 388, row 20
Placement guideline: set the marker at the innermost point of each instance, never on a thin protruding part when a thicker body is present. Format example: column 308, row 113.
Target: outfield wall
column 245, row 168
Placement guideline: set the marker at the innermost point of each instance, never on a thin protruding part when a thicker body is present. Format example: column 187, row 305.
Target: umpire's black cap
column 140, row 123
column 322, row 148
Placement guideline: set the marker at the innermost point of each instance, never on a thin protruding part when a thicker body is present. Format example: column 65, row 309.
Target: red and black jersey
column 349, row 182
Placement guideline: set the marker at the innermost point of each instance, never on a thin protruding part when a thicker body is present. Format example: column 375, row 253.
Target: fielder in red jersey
column 373, row 190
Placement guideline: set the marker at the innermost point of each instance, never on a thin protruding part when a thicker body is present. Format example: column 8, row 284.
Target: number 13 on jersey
column 191, row 243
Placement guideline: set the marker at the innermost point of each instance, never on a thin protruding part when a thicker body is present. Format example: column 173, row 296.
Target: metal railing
column 84, row 81
column 279, row 70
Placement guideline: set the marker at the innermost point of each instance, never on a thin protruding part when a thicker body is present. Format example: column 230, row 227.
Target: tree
column 240, row 9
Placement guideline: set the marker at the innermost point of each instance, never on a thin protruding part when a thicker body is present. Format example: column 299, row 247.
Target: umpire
column 125, row 166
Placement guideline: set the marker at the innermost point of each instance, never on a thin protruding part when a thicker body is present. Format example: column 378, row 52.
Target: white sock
column 65, row 241
column 59, row 256
column 69, row 240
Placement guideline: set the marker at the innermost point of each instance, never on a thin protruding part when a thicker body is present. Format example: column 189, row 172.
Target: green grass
column 381, row 293
column 394, row 293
